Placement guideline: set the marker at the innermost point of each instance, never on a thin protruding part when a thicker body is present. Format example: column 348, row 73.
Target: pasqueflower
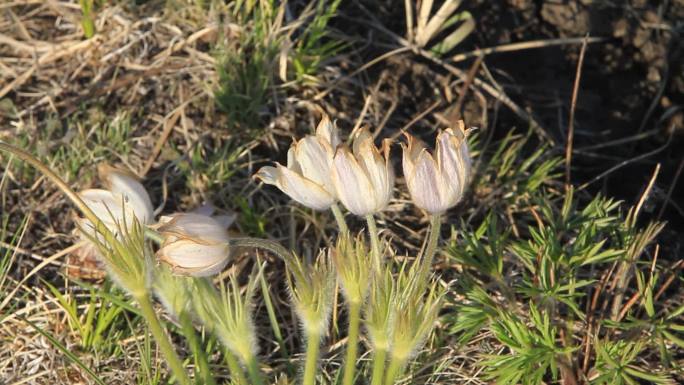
column 193, row 244
column 363, row 177
column 437, row 183
column 307, row 179
column 124, row 201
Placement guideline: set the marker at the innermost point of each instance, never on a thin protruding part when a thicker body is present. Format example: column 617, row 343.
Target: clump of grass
column 245, row 63
column 73, row 148
column 266, row 48
column 313, row 45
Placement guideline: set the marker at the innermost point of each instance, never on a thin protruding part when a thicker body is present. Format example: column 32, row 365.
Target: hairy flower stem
column 253, row 371
column 162, row 340
column 425, row 260
column 265, row 244
column 236, row 372
column 394, row 370
column 379, row 357
column 375, row 241
column 352, row 343
column 312, row 346
column 203, row 369
column 339, row 218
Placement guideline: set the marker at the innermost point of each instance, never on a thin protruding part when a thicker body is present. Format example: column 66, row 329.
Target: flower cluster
column 322, row 171
column 396, row 309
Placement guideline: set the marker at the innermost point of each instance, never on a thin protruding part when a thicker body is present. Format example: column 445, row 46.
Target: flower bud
column 353, row 264
column 306, row 179
column 312, row 290
column 363, row 178
column 437, row 183
column 194, row 244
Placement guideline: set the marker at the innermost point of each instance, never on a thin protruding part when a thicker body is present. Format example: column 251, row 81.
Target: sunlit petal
column 132, row 190
column 314, row 156
column 300, row 189
column 327, row 131
column 352, row 184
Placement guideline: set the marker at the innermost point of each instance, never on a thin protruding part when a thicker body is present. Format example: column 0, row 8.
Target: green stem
column 394, row 371
column 265, row 244
column 162, row 340
column 375, row 241
column 154, row 236
column 203, row 369
column 379, row 358
column 312, row 346
column 352, row 343
column 254, row 372
column 236, row 372
column 339, row 218
column 425, row 260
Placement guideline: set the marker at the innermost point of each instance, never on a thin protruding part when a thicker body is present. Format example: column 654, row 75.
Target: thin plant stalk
column 394, row 370
column 375, row 241
column 162, row 340
column 352, row 343
column 236, row 372
column 431, row 248
column 254, row 372
column 379, row 357
column 339, row 218
column 312, row 347
column 203, row 369
column 265, row 244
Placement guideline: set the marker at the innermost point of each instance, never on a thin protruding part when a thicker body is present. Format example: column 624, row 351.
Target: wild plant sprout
column 228, row 313
column 311, row 288
column 354, row 269
column 379, row 320
column 415, row 306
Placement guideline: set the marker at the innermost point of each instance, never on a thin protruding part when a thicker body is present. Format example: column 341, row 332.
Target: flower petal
column 198, row 259
column 105, row 206
column 327, row 131
column 297, row 187
column 314, row 157
column 454, row 162
column 411, row 151
column 353, row 187
column 196, row 226
column 133, row 192
column 424, row 185
column 376, row 168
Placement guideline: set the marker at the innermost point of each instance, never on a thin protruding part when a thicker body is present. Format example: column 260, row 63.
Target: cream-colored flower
column 306, row 179
column 437, row 183
column 125, row 201
column 363, row 178
column 194, row 244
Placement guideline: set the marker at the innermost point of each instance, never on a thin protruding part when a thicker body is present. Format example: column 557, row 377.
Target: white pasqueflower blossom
column 193, row 244
column 363, row 178
column 437, row 183
column 118, row 207
column 306, row 179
